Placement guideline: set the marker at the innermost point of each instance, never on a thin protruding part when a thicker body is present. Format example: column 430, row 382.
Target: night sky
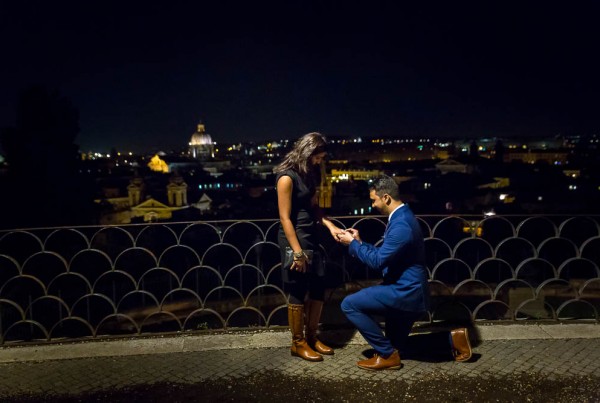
column 143, row 74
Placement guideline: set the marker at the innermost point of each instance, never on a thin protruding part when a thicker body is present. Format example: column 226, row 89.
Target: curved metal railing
column 134, row 279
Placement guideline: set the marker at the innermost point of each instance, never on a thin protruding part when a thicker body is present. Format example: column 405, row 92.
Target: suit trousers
column 362, row 307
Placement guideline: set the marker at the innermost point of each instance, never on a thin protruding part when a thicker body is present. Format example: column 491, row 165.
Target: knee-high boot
column 313, row 310
column 300, row 347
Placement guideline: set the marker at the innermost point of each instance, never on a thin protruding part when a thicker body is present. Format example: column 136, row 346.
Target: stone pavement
column 543, row 355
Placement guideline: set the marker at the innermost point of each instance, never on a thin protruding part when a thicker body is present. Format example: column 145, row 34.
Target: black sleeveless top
column 304, row 221
column 302, row 193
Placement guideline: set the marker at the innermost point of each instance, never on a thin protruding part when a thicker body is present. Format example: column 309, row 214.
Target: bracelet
column 298, row 255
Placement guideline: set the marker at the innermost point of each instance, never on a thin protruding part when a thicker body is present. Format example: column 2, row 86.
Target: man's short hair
column 384, row 184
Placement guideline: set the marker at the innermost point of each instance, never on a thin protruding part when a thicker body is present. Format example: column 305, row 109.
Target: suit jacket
column 401, row 259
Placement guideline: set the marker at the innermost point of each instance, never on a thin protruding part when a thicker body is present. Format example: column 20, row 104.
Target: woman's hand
column 335, row 231
column 299, row 264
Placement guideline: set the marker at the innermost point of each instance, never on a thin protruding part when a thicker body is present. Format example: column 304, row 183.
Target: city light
column 352, row 163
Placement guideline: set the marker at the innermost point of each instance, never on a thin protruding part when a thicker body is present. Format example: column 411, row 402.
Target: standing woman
column 298, row 175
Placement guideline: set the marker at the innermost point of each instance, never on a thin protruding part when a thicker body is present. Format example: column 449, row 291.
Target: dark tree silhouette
column 474, row 150
column 499, row 151
column 43, row 187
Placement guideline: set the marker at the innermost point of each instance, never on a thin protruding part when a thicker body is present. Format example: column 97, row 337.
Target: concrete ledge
column 554, row 331
column 260, row 339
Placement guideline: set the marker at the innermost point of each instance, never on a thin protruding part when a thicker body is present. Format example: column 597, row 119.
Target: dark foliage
column 42, row 187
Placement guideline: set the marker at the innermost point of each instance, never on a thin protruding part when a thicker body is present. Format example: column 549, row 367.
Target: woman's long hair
column 298, row 158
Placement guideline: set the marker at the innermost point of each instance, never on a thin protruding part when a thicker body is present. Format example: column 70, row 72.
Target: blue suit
column 403, row 295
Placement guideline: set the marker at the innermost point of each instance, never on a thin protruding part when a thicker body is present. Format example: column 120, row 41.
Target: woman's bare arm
column 284, row 204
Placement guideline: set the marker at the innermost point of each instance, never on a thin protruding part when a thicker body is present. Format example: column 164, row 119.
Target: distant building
column 136, row 191
column 141, row 206
column 152, row 210
column 531, row 156
column 201, row 144
column 354, row 174
column 324, row 190
column 204, row 204
column 177, row 191
column 450, row 165
column 496, row 183
column 158, row 165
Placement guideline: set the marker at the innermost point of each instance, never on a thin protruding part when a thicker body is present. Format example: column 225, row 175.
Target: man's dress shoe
column 378, row 362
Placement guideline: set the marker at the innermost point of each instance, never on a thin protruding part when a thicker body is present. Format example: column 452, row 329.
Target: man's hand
column 348, row 236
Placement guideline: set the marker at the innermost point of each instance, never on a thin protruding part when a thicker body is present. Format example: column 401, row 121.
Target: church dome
column 201, row 144
column 200, row 138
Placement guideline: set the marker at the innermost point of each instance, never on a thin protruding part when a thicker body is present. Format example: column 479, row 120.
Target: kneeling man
column 403, row 295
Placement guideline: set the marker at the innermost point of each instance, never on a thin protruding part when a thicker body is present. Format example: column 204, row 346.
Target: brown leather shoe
column 377, row 362
column 461, row 346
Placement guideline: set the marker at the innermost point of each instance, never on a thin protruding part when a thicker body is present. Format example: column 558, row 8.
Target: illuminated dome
column 201, row 144
column 200, row 137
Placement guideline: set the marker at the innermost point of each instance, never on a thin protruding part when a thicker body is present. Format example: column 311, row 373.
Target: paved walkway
column 511, row 363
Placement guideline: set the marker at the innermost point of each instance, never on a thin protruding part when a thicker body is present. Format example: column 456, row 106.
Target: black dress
column 305, row 224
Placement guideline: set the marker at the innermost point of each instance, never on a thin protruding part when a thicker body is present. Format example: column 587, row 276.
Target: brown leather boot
column 300, row 347
column 313, row 310
column 461, row 346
